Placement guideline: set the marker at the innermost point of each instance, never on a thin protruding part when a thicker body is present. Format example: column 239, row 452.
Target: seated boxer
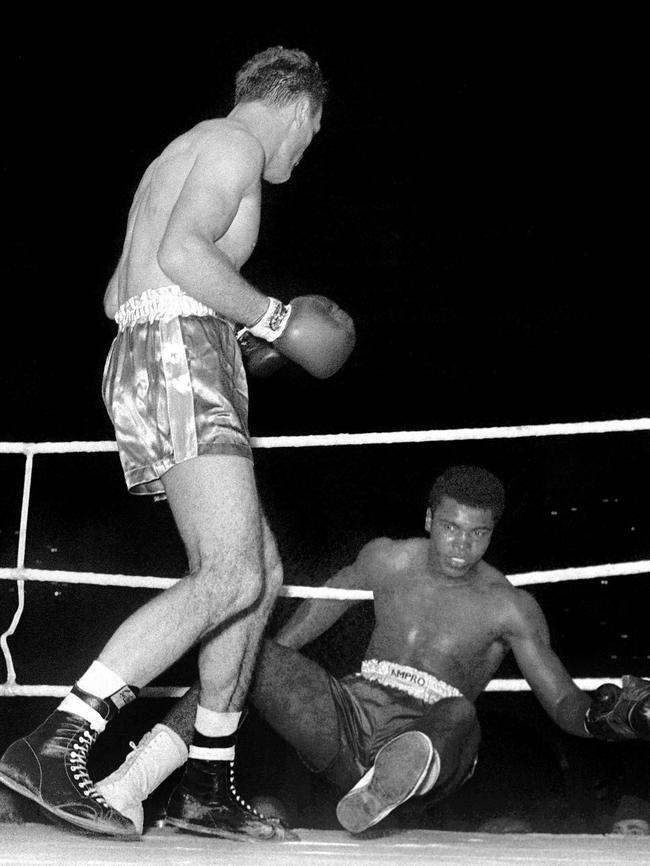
column 405, row 724
column 176, row 391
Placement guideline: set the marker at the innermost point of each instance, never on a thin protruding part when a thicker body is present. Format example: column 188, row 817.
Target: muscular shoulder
column 522, row 615
column 215, row 156
column 390, row 556
column 226, row 144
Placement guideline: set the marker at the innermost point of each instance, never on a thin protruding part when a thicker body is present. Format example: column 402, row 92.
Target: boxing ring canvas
column 40, row 845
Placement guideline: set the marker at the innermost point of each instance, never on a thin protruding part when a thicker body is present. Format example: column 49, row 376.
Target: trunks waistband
column 415, row 683
column 161, row 304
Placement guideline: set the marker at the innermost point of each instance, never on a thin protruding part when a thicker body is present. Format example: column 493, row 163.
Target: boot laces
column 78, row 757
column 239, row 799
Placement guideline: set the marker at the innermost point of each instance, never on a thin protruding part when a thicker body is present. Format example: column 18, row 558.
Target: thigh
column 293, row 694
column 453, row 727
column 215, row 505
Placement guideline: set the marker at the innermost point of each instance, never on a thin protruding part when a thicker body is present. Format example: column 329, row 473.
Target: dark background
column 473, row 200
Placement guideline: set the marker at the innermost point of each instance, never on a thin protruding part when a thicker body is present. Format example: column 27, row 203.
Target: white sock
column 213, row 724
column 100, row 681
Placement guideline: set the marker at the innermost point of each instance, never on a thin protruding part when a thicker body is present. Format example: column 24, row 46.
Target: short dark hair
column 279, row 76
column 472, row 486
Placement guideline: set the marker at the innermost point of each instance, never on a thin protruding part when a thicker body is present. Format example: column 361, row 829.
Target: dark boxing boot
column 206, row 802
column 49, row 767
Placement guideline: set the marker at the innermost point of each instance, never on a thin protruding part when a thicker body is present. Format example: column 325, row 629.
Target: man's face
column 302, row 129
column 459, row 536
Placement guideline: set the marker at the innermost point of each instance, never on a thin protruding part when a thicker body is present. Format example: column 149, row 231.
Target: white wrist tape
column 273, row 322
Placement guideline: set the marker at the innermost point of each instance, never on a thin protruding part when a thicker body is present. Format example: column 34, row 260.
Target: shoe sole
column 202, row 830
column 399, row 768
column 63, row 818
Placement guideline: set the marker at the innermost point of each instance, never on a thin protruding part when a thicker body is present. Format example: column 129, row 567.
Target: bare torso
column 138, row 268
column 453, row 630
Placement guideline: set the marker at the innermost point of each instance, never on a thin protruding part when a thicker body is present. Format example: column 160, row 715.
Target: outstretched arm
column 528, row 636
column 315, row 615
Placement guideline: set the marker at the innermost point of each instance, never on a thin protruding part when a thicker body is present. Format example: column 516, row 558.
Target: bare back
column 183, row 162
column 454, row 631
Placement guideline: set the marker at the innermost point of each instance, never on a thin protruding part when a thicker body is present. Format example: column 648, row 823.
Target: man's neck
column 268, row 126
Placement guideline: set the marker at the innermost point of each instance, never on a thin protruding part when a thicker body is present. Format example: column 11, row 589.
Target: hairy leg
column 292, row 695
column 215, row 505
column 247, row 633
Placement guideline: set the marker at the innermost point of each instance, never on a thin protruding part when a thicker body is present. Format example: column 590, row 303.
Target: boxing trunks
column 377, row 704
column 174, row 386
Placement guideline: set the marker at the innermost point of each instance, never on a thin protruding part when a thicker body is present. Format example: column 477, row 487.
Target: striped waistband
column 161, row 304
column 416, row 683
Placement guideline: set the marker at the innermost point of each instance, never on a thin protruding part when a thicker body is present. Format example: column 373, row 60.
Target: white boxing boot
column 153, row 760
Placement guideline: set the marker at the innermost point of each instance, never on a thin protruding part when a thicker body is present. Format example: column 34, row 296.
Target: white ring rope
column 555, row 575
column 570, row 428
column 20, row 574
column 505, row 685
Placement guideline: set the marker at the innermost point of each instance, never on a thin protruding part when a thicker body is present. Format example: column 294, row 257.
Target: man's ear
column 303, row 110
column 428, row 520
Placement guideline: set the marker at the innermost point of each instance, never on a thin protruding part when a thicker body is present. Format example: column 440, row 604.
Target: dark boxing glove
column 620, row 714
column 312, row 331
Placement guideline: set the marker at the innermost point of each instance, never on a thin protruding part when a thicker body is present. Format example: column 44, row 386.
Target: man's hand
column 312, row 331
column 620, row 714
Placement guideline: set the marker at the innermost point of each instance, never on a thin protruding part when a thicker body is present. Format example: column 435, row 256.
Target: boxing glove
column 312, row 331
column 620, row 714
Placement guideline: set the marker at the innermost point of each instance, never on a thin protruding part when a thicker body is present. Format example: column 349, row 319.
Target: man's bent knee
column 220, row 596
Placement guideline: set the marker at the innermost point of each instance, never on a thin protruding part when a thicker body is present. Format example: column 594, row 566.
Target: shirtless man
column 405, row 724
column 176, row 391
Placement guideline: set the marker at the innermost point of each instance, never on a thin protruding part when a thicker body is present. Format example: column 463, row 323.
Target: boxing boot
column 50, row 767
column 157, row 755
column 405, row 766
column 206, row 802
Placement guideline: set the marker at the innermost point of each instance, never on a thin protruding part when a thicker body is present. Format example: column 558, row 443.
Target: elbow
column 110, row 308
column 173, row 259
column 570, row 714
column 179, row 252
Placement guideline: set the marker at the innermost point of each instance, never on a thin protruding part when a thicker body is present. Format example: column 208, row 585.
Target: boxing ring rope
column 20, row 574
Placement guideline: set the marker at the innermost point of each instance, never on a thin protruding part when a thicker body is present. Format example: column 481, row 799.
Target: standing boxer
column 175, row 388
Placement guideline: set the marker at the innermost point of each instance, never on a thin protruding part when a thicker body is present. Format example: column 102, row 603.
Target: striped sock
column 214, row 736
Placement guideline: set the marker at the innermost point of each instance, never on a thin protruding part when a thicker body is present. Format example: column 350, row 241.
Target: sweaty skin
column 440, row 608
column 195, row 216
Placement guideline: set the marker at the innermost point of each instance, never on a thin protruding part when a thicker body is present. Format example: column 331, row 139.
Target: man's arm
column 110, row 297
column 528, row 636
column 221, row 177
column 315, row 615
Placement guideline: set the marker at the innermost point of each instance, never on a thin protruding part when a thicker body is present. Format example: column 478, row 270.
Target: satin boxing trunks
column 174, row 386
column 376, row 705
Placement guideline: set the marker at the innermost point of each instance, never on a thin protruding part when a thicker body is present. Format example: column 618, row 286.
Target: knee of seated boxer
column 455, row 711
